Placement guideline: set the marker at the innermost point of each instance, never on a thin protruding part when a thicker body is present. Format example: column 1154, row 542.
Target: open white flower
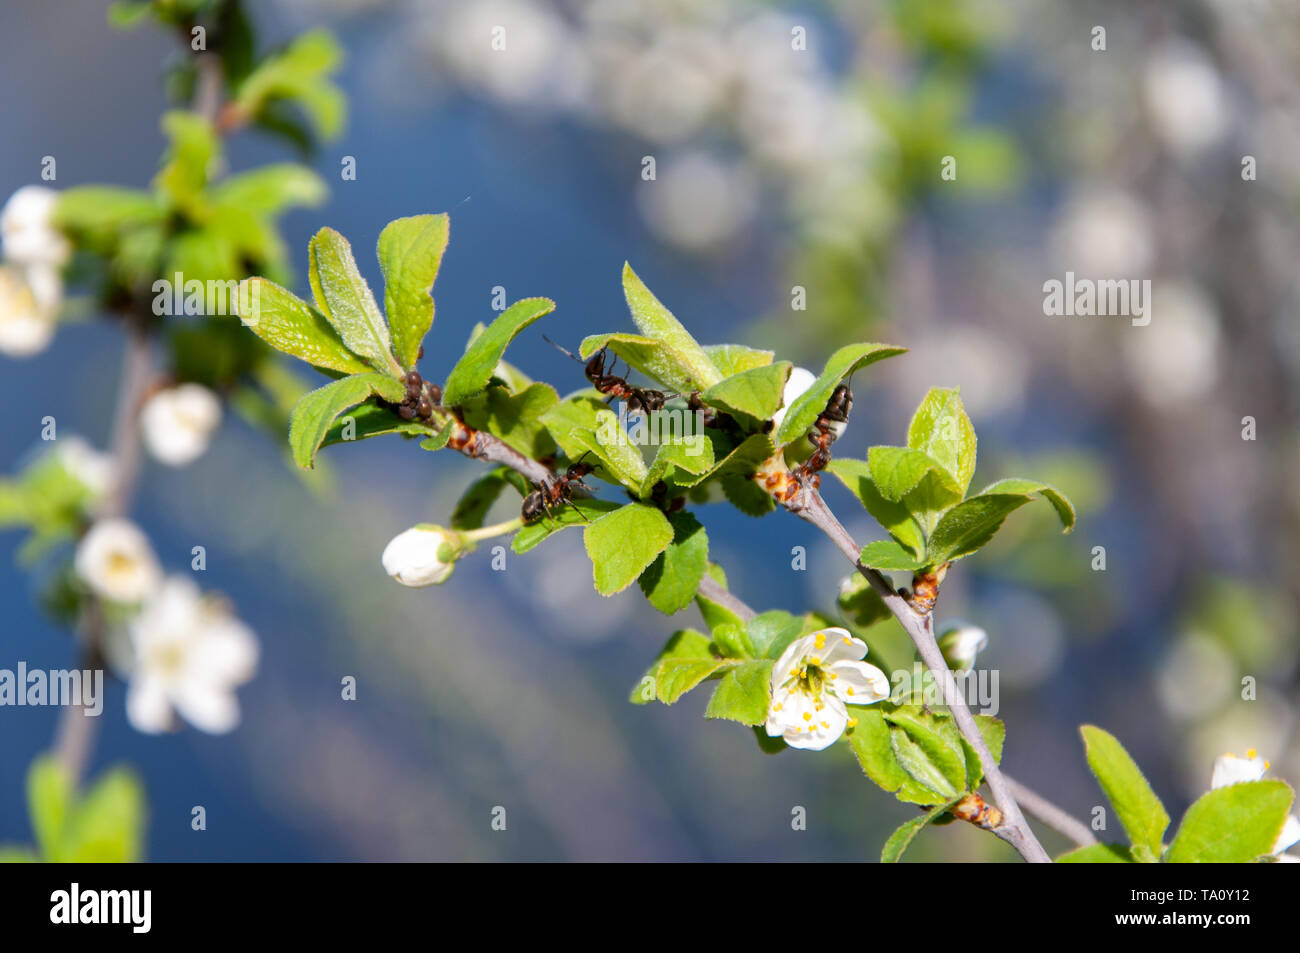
column 93, row 469
column 27, row 228
column 423, row 555
column 177, row 424
column 960, row 643
column 812, row 682
column 796, row 384
column 1230, row 769
column 115, row 559
column 190, row 655
column 26, row 327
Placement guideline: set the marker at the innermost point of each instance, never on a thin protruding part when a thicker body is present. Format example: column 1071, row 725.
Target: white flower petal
column 27, row 228
column 1289, row 836
column 226, row 652
column 1229, row 769
column 859, row 683
column 207, row 706
column 147, row 706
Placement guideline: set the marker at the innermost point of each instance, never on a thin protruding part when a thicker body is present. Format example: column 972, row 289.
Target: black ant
column 542, row 499
column 639, row 399
column 828, row 428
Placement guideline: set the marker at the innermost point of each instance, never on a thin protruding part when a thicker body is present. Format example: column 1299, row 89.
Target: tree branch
column 1067, row 825
column 808, row 505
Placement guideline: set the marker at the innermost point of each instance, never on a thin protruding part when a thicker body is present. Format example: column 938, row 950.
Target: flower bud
column 796, row 384
column 423, row 555
column 25, row 327
column 960, row 642
column 27, row 228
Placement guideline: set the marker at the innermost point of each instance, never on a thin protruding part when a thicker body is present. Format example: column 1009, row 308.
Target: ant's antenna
column 561, row 349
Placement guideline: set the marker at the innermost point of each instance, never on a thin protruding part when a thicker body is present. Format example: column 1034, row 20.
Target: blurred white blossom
column 699, row 201
column 92, row 468
column 177, row 423
column 27, row 228
column 26, row 328
column 1184, row 95
column 1105, row 233
column 1176, row 357
column 115, row 560
column 190, row 653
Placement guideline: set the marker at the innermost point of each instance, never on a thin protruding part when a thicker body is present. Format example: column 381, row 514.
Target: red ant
column 639, row 399
column 542, row 499
column 828, row 428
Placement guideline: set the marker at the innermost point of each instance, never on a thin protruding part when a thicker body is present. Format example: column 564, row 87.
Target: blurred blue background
column 511, row 688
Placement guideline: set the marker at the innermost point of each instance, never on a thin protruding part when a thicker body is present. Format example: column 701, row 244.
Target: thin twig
column 1065, row 824
column 808, row 505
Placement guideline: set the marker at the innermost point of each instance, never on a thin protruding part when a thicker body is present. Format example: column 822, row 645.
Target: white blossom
column 812, row 682
column 177, row 423
column 27, row 228
column 115, row 560
column 26, row 327
column 190, row 654
column 1230, row 769
column 1185, row 97
column 421, row 556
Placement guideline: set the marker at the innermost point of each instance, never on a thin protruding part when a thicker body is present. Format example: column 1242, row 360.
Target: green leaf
column 1098, row 854
column 50, row 798
column 803, row 413
column 108, row 824
column 685, row 647
column 1232, row 825
column 410, row 252
column 732, row 359
column 969, row 525
column 896, row 471
column 732, row 640
column 929, row 750
column 299, row 73
column 743, row 694
column 888, row 555
column 609, row 443
column 894, row 517
column 290, row 325
column 902, row 838
column 716, row 615
column 1138, row 808
column 676, row 677
column 473, row 506
column 755, row 392
column 941, row 429
column 372, row 420
column 583, row 514
column 474, row 369
column 655, row 321
column 193, row 148
column 1060, row 502
column 770, row 633
column 100, row 213
column 271, row 189
column 315, row 412
column 623, row 543
column 994, row 733
column 515, row 418
column 649, row 356
column 671, row 580
column 343, row 296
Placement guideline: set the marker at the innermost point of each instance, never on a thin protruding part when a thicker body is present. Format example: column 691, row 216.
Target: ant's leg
column 574, row 504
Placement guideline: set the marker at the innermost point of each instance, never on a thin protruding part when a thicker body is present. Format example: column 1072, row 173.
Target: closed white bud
column 26, row 327
column 796, row 384
column 115, row 559
column 423, row 555
column 960, row 642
